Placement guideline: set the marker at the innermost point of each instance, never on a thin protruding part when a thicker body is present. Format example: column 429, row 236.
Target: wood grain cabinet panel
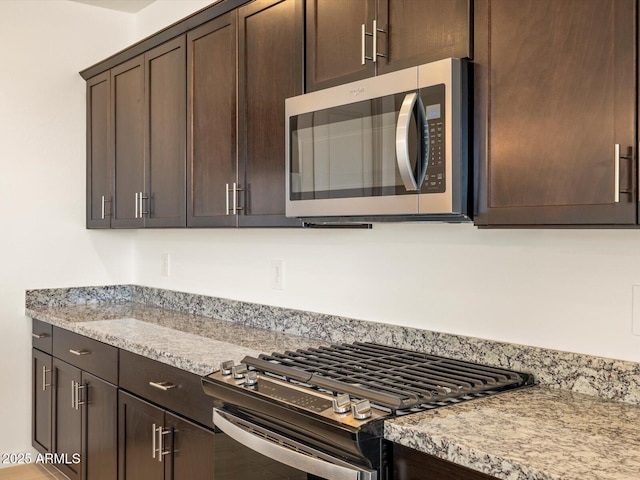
column 127, row 138
column 408, row 33
column 99, row 167
column 41, row 398
column 555, row 92
column 268, row 73
column 165, row 139
column 211, row 106
column 186, row 449
column 410, row 464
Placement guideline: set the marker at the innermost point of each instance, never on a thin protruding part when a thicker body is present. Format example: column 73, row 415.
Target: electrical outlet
column 165, row 265
column 277, row 274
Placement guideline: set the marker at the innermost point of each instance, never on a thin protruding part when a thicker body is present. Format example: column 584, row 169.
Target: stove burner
column 390, row 378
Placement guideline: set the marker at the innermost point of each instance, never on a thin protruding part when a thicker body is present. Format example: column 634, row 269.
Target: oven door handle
column 281, row 449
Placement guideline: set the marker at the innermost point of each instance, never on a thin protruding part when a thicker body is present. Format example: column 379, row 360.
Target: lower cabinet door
column 67, row 424
column 41, row 398
column 99, row 428
column 192, row 450
column 140, row 453
column 410, row 464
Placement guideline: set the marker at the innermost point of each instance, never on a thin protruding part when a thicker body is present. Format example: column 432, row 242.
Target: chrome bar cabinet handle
column 136, row 214
column 80, row 352
column 164, row 386
column 226, row 212
column 143, row 197
column 45, row 370
column 102, row 207
column 39, row 335
column 154, row 431
column 616, row 173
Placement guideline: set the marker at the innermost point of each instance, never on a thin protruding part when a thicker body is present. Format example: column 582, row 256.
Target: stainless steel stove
column 320, row 411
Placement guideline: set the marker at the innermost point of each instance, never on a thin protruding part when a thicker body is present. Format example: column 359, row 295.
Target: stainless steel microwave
column 388, row 148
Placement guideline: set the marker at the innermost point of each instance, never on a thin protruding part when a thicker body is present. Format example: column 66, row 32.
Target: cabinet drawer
column 41, row 335
column 184, row 394
column 87, row 354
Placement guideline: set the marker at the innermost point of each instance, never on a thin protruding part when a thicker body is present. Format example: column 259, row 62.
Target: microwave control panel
column 433, row 99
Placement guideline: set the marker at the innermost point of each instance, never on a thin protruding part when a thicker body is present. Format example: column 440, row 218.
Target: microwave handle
column 282, row 453
column 402, row 142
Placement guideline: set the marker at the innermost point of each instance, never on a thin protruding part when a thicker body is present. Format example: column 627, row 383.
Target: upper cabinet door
column 127, row 127
column 164, row 197
column 211, row 110
column 555, row 93
column 98, row 155
column 422, row 31
column 270, row 70
column 334, row 46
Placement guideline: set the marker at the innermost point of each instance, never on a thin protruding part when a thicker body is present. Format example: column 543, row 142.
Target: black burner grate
column 389, row 377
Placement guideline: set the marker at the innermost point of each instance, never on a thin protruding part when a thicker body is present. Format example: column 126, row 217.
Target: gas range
column 333, row 400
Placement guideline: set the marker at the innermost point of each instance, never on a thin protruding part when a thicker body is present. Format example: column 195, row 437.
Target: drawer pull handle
column 80, row 352
column 39, row 335
column 163, row 385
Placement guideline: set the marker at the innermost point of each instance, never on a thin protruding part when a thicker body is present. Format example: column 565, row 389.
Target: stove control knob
column 361, row 410
column 341, row 403
column 239, row 371
column 251, row 379
column 225, row 367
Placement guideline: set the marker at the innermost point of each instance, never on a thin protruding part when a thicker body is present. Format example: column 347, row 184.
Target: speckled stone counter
column 538, row 433
column 530, row 434
column 192, row 343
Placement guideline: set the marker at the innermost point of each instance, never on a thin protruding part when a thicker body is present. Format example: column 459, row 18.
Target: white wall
column 43, row 46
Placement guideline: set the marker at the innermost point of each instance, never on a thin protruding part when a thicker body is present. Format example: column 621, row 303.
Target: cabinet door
column 137, row 458
column 165, row 139
column 422, row 31
column 269, row 72
column 41, row 398
column 192, row 450
column 555, row 92
column 410, row 464
column 127, row 138
column 67, row 424
column 98, row 155
column 334, row 41
column 211, row 105
column 99, row 429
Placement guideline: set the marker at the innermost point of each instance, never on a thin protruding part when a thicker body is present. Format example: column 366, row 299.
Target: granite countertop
column 536, row 433
column 190, row 342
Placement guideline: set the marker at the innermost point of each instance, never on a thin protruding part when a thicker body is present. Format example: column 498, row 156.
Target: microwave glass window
column 348, row 151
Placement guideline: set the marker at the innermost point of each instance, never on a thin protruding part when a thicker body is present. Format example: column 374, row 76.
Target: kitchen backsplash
column 602, row 377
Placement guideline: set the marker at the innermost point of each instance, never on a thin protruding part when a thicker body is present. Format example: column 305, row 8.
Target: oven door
column 245, row 451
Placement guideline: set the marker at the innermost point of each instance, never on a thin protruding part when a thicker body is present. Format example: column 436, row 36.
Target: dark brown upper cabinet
column 270, row 69
column 164, row 194
column 98, row 152
column 342, row 46
column 236, row 166
column 211, row 110
column 555, row 109
column 145, row 130
column 127, row 139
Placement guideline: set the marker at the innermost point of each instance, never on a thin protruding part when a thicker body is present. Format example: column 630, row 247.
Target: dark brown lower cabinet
column 410, row 464
column 41, row 401
column 84, row 423
column 67, row 419
column 155, row 444
column 99, row 429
